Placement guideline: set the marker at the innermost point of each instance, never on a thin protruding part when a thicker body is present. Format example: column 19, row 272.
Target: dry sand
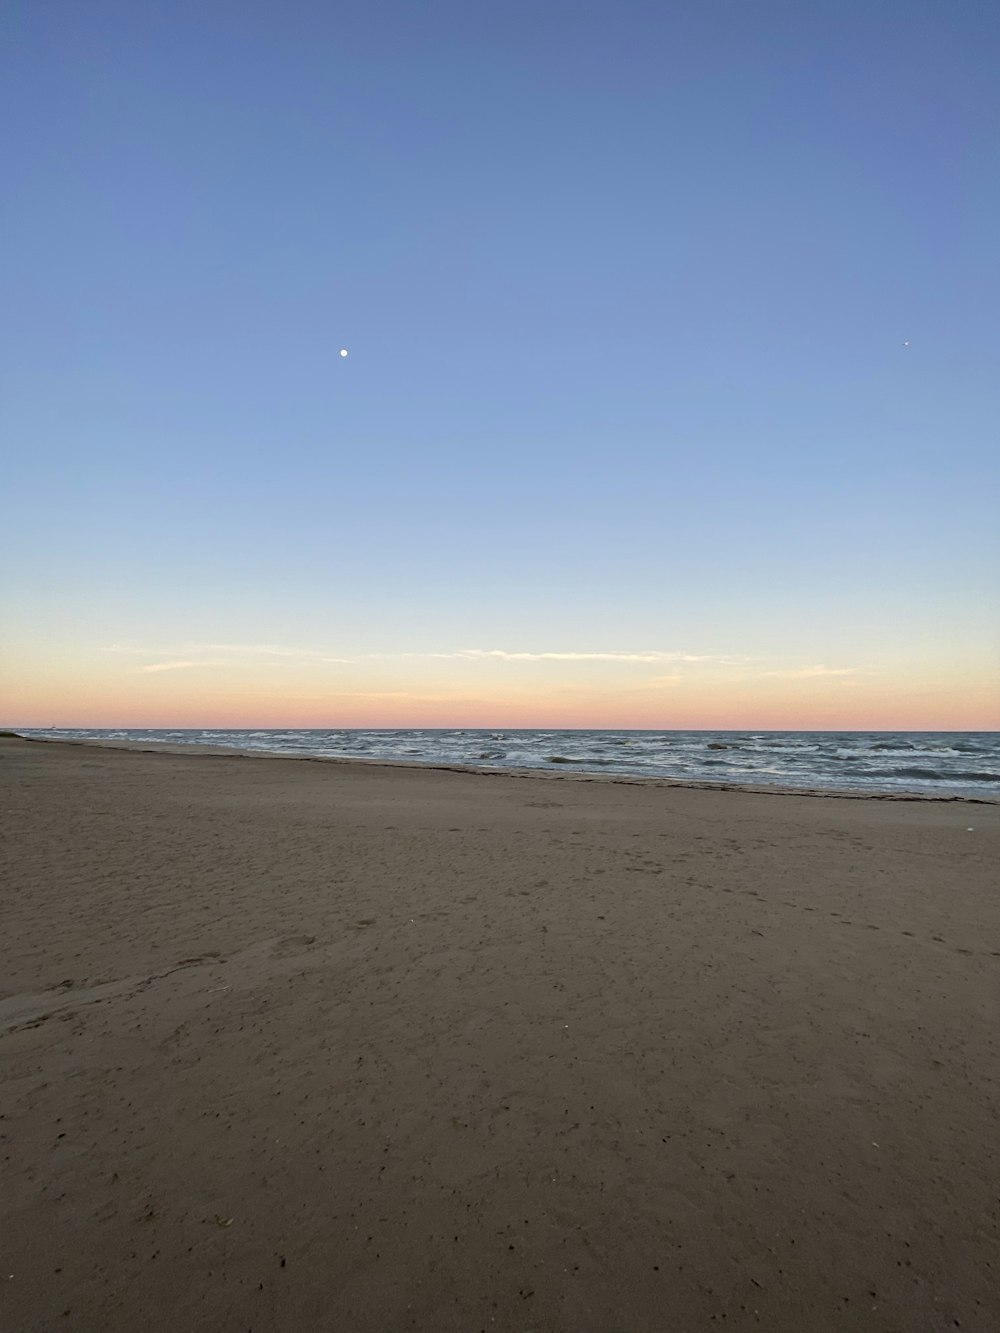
column 303, row 1046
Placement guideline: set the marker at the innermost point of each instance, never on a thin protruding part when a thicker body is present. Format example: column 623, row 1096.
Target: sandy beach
column 293, row 1045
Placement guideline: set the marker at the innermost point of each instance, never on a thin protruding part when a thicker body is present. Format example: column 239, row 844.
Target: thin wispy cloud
column 178, row 665
column 190, row 652
column 236, row 649
column 188, row 655
column 257, row 650
column 845, row 675
column 499, row 654
column 809, row 672
column 504, row 655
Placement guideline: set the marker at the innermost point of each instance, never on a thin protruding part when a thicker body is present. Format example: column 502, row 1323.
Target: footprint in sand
column 292, row 944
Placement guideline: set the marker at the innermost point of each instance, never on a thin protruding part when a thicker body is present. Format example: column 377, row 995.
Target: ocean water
column 936, row 763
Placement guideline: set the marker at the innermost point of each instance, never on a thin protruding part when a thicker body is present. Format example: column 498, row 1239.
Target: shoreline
column 560, row 772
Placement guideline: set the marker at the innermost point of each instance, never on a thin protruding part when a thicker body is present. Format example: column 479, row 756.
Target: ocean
column 934, row 763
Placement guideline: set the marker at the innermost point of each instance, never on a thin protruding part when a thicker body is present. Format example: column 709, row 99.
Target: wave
column 589, row 761
column 944, row 775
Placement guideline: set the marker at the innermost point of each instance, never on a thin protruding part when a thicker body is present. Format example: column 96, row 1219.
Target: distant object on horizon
column 343, row 350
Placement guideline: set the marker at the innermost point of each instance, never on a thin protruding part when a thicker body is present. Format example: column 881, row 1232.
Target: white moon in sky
column 343, row 351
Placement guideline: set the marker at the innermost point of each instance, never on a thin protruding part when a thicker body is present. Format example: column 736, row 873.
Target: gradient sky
column 628, row 434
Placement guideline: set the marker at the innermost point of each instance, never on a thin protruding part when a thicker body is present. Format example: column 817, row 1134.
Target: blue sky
column 625, row 289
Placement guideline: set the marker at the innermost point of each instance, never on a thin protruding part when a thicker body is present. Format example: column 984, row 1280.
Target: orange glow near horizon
column 303, row 696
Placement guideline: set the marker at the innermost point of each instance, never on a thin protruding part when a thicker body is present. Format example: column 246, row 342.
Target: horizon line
column 916, row 731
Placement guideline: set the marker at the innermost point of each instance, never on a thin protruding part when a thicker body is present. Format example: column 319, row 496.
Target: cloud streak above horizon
column 187, row 653
column 181, row 665
column 191, row 656
column 504, row 655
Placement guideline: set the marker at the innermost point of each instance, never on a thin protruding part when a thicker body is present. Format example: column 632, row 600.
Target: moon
column 343, row 351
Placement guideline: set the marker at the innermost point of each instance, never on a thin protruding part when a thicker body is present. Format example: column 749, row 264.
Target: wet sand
column 297, row 1046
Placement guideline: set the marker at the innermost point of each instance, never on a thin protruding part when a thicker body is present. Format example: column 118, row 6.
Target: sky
column 673, row 385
